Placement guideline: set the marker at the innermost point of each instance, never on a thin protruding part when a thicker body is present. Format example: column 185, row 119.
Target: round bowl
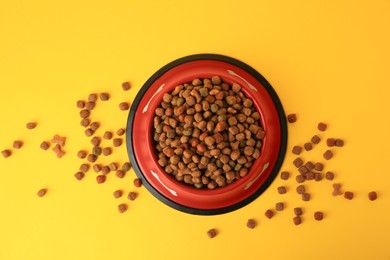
column 143, row 155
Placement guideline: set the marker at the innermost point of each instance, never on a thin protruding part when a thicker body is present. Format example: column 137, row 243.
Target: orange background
column 327, row 60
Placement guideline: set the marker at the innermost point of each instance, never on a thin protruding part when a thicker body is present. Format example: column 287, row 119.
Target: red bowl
column 142, row 152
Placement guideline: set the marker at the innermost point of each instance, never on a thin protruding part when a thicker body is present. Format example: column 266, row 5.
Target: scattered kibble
column 328, row 155
column 126, row 166
column 300, row 178
column 318, row 166
column 317, row 176
column 297, row 150
column 282, row 190
column 31, row 125
column 298, row 211
column 120, row 132
column 251, row 223
column 97, row 168
column 81, row 154
column 106, row 170
column 84, row 167
column 6, row 153
column 92, row 97
column 292, row 118
column 305, row 196
column 104, row 96
column 284, row 175
column 318, row 215
column 336, row 189
column 59, row 140
column 297, row 220
column 279, row 206
column 124, row 106
column 80, row 104
column 269, row 213
column 44, row 145
column 339, row 143
column 100, row 179
column 330, row 142
column 113, row 166
column 107, row 135
column 137, row 182
column 97, row 150
column 84, row 113
column 372, row 195
column 315, row 139
column 120, row 174
column 117, row 194
column 308, row 146
column 300, row 189
column 85, row 122
column 95, row 141
column 298, row 162
column 42, row 192
column 348, row 195
column 212, row 233
column 122, row 207
column 322, row 126
column 106, row 151
column 94, row 126
column 329, row 176
column 132, row 195
column 117, row 142
column 91, row 158
column 79, row 175
column 89, row 132
column 126, row 86
column 17, row 144
column 90, row 105
column 58, row 151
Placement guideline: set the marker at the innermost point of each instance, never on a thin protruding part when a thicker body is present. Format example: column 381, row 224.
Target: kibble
column 132, row 195
column 124, row 106
column 120, row 132
column 122, row 207
column 317, row 176
column 113, row 166
column 329, row 176
column 279, row 206
column 328, row 155
column 330, row 142
column 100, row 179
column 269, row 213
column 84, row 167
column 117, row 142
column 57, row 139
column 106, row 151
column 137, row 182
column 95, row 141
column 315, row 139
column 84, row 113
column 336, row 189
column 318, row 166
column 31, row 125
column 120, row 174
column 251, row 223
column 92, row 158
column 282, row 190
column 298, row 162
column 106, row 170
column 322, row 126
column 297, row 149
column 94, row 126
column 318, row 215
column 80, row 104
column 58, row 151
column 372, row 195
column 42, row 192
column 308, row 146
column 300, row 178
column 81, row 154
column 117, row 194
column 339, row 143
column 17, row 144
column 126, row 86
column 348, row 195
column 305, row 196
column 85, row 122
column 126, row 166
column 90, row 105
column 292, row 118
column 6, row 153
column 300, row 189
column 92, row 97
column 298, row 211
column 104, row 96
column 297, row 220
column 79, row 175
column 97, row 168
column 212, row 233
column 284, row 175
column 107, row 135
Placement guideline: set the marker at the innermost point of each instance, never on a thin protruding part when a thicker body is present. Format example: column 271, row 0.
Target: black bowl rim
column 283, row 128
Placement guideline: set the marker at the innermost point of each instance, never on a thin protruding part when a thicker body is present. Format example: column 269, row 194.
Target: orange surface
column 328, row 61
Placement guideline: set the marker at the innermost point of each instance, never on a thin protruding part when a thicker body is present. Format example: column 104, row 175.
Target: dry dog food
column 84, row 113
column 279, row 206
column 315, row 139
column 89, row 132
column 31, row 125
column 84, row 167
column 81, row 154
column 126, row 166
column 322, row 126
column 292, row 118
column 59, row 140
column 328, row 155
column 137, row 182
column 251, row 223
column 106, row 170
column 104, row 96
column 58, row 151
column 297, row 150
column 207, row 135
column 120, row 132
column 120, row 174
column 308, row 146
column 100, row 179
column 90, row 105
column 318, row 166
column 282, row 190
column 212, row 233
column 339, row 143
column 85, row 122
column 94, row 126
column 79, row 175
column 124, row 106
column 317, row 176
column 126, row 86
column 6, row 153
column 330, row 142
column 132, row 195
column 269, row 213
column 42, row 192
column 95, row 141
column 17, row 144
column 298, row 162
column 305, row 196
column 297, row 220
column 44, row 145
column 97, row 150
column 300, row 178
column 298, row 211
column 372, row 195
column 336, row 189
column 107, row 135
column 348, row 195
column 92, row 158
column 117, row 142
column 122, row 207
column 329, row 176
column 284, row 175
column 80, row 104
column 300, row 189
column 92, row 97
column 113, row 166
column 318, row 215
column 106, row 151
column 117, row 194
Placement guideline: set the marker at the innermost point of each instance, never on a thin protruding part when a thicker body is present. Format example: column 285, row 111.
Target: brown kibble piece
column 336, row 189
column 31, row 125
column 328, row 155
column 107, row 151
column 305, row 196
column 80, row 104
column 300, row 178
column 92, row 158
column 297, row 220
column 132, row 195
column 42, row 192
column 95, row 141
column 126, row 86
column 137, row 182
column 298, row 211
column 315, row 139
column 318, row 215
column 297, row 150
column 300, row 189
column 84, row 113
column 94, row 126
column 85, row 122
column 292, row 118
column 212, row 233
column 17, row 144
column 322, row 126
column 107, row 135
column 317, row 176
column 348, row 195
column 6, row 153
column 282, row 190
column 59, row 140
column 372, row 195
column 44, row 145
column 298, row 162
column 251, row 223
column 120, row 174
column 79, row 175
column 329, row 176
column 279, row 206
column 104, row 96
column 117, row 194
column 81, row 154
column 106, row 170
column 92, row 97
column 84, row 167
column 58, row 151
column 284, row 175
column 339, row 143
column 90, row 105
column 122, row 207
column 330, row 142
column 113, row 166
column 308, row 146
column 318, row 166
column 117, row 142
column 126, row 166
column 97, row 168
column 124, row 106
column 120, row 132
column 269, row 213
column 100, row 179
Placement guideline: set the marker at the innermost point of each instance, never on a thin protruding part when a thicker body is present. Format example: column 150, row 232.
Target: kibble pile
column 207, row 133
